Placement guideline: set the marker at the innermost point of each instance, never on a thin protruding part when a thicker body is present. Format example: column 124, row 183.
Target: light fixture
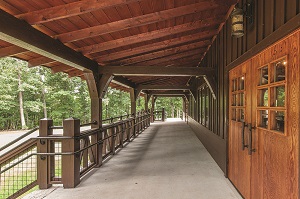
column 237, row 19
column 237, row 22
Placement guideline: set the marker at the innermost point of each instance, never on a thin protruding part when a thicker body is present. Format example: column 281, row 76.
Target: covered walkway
column 165, row 161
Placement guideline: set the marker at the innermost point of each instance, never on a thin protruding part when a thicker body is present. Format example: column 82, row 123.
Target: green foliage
column 65, row 97
column 115, row 103
column 59, row 97
column 171, row 105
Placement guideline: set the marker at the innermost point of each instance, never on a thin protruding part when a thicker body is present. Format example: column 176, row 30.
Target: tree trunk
column 23, row 123
column 44, row 103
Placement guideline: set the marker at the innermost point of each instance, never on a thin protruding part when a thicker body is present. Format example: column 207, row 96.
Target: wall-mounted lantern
column 237, row 22
column 237, row 19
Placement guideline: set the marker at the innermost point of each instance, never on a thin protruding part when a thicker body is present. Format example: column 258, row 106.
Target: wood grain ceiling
column 171, row 33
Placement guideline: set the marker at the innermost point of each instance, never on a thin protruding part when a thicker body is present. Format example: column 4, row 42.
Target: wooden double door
column 263, row 139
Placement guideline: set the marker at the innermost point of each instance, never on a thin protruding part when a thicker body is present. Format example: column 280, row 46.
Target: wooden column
column 43, row 162
column 153, row 108
column 97, row 85
column 71, row 163
column 163, row 114
column 133, row 100
column 146, row 97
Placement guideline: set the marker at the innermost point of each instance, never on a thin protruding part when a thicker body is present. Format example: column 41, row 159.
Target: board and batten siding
column 273, row 20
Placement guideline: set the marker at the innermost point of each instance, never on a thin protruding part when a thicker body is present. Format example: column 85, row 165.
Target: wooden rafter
column 135, row 21
column 68, row 10
column 163, row 87
column 155, row 71
column 155, row 35
column 36, row 41
column 147, row 49
column 152, row 55
column 173, row 92
column 180, row 59
column 39, row 61
column 11, row 51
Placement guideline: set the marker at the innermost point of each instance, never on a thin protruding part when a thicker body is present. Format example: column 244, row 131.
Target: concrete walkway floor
column 165, row 161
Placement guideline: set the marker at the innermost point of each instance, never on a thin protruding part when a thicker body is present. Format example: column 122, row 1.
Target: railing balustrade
column 65, row 158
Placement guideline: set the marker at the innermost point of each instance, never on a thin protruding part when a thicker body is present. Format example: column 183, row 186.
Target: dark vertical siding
column 269, row 15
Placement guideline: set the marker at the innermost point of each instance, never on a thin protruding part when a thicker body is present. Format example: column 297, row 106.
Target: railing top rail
column 19, row 138
column 21, row 147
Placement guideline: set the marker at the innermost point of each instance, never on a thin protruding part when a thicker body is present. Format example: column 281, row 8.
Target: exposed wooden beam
column 104, row 83
column 172, row 92
column 39, row 61
column 11, row 51
column 135, row 21
column 155, row 71
column 60, row 68
column 169, row 95
column 40, row 43
column 211, row 83
column 74, row 73
column 148, row 49
column 155, row 35
column 162, row 87
column 181, row 59
column 123, row 82
column 174, row 57
column 68, row 10
column 152, row 55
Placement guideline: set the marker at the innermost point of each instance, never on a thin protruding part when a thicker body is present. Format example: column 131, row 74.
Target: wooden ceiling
column 152, row 33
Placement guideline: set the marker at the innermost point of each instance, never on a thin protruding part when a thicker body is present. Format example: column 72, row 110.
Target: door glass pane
column 241, row 83
column 241, row 115
column 264, row 75
column 234, row 85
column 233, row 114
column 278, row 121
column 263, row 118
column 241, row 98
column 263, row 97
column 279, row 69
column 279, row 96
column 233, row 103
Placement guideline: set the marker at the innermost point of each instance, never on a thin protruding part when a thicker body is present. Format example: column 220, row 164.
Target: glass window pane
column 241, row 99
column 241, row 83
column 264, row 75
column 263, row 97
column 263, row 118
column 279, row 69
column 278, row 96
column 241, row 115
column 234, row 86
column 278, row 121
column 233, row 103
column 233, row 114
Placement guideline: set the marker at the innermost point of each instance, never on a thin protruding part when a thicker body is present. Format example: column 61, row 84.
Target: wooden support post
column 121, row 135
column 97, row 85
column 163, row 115
column 153, row 109
column 71, row 163
column 113, row 140
column 43, row 166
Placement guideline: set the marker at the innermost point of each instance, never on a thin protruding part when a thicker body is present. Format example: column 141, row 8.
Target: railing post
column 134, row 125
column 163, row 115
column 43, row 162
column 71, row 163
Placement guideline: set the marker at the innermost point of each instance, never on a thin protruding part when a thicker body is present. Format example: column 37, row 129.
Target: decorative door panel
column 264, row 141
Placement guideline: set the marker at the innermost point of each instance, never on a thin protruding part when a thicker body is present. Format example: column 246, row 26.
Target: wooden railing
column 64, row 158
column 159, row 115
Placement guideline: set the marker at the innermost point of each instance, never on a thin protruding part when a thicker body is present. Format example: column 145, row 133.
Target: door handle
column 243, row 136
column 250, row 149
